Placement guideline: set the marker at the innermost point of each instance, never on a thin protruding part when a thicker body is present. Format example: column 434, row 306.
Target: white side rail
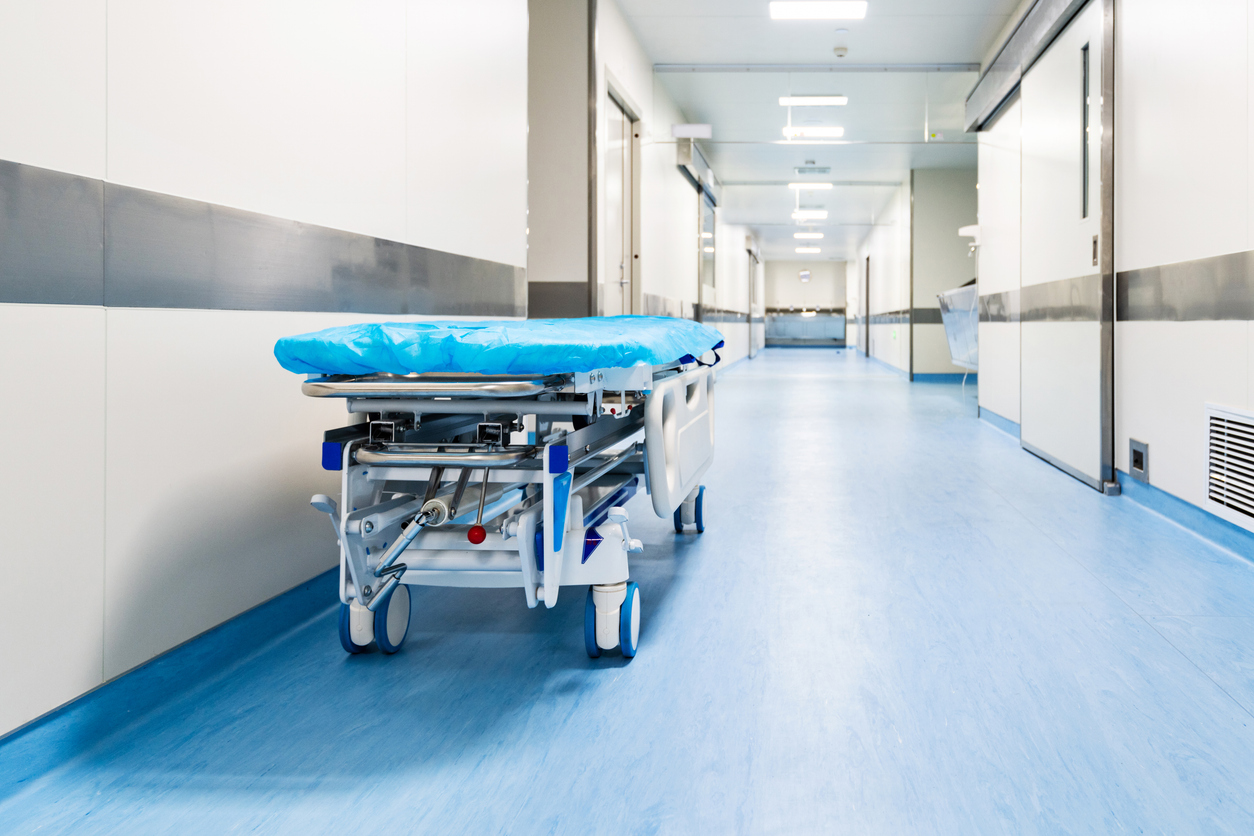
column 679, row 436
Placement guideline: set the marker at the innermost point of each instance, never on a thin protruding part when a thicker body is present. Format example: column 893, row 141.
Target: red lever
column 477, row 534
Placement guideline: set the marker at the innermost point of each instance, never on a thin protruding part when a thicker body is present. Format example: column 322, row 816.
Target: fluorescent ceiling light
column 810, row 187
column 808, row 236
column 810, row 215
column 793, row 131
column 818, row 10
column 809, row 313
column 707, row 234
column 813, row 101
column 709, row 249
column 808, row 251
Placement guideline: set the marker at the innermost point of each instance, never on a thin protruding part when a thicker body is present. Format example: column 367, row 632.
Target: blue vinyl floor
column 896, row 622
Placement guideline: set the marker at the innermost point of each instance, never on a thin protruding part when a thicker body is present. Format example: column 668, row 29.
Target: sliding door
column 1067, row 293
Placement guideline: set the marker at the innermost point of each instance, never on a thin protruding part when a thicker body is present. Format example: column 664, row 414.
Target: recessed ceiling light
column 808, row 236
column 793, row 132
column 818, row 10
column 808, row 251
column 813, row 101
column 708, row 249
column 810, row 215
column 707, row 234
column 810, row 187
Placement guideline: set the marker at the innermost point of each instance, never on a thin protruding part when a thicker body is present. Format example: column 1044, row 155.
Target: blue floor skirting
column 946, row 377
column 1003, row 424
column 80, row 724
column 886, row 365
column 1199, row 521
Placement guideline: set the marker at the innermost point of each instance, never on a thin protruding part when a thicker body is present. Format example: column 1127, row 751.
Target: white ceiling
column 884, row 121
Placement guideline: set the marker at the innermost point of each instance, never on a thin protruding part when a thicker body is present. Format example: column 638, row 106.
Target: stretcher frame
column 548, row 512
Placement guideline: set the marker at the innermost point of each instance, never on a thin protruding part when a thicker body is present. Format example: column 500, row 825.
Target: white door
column 617, row 268
column 1065, row 302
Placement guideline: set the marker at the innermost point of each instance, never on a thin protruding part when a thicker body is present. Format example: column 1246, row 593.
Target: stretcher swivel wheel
column 391, row 620
column 629, row 621
column 696, row 509
column 346, row 631
column 699, row 512
column 590, row 627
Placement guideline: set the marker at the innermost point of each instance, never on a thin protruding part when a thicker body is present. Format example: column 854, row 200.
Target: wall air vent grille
column 813, row 169
column 1230, row 464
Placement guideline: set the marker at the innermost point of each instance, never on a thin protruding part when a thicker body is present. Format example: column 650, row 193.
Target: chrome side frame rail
column 433, row 386
column 412, row 455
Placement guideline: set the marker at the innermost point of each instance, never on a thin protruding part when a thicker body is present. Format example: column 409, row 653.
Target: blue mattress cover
column 531, row 346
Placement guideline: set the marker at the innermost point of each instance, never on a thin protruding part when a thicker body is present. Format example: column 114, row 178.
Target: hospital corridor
column 627, row 417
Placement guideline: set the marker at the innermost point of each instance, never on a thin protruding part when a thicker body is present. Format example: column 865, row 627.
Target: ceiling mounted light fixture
column 807, row 236
column 708, row 249
column 813, row 101
column 808, row 251
column 793, row 132
column 810, row 187
column 810, row 215
column 818, row 10
column 707, row 234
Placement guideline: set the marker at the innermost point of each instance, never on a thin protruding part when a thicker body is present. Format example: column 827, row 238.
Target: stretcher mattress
column 533, row 346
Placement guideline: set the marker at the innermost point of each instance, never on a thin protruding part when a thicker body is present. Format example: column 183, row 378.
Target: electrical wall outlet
column 1138, row 460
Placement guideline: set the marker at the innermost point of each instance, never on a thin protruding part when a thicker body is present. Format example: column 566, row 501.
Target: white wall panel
column 736, row 337
column 1167, row 372
column 294, row 108
column 669, row 220
column 731, row 266
column 629, row 67
column 208, row 510
column 669, row 216
column 931, row 350
column 52, row 85
column 557, row 149
column 1060, row 373
column 999, row 209
column 52, row 361
column 999, row 368
column 1182, row 135
column 890, row 343
column 853, row 301
column 1057, row 240
column 466, row 105
column 944, row 201
column 888, row 246
column 826, row 288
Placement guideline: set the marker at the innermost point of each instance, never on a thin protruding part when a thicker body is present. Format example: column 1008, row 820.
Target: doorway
column 864, row 332
column 619, row 255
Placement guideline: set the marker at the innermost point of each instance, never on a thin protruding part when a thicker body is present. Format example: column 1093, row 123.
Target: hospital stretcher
column 502, row 455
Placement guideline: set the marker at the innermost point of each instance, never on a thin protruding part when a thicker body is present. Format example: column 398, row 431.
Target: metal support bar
column 585, row 479
column 462, row 479
column 470, row 406
column 396, row 455
column 483, row 495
